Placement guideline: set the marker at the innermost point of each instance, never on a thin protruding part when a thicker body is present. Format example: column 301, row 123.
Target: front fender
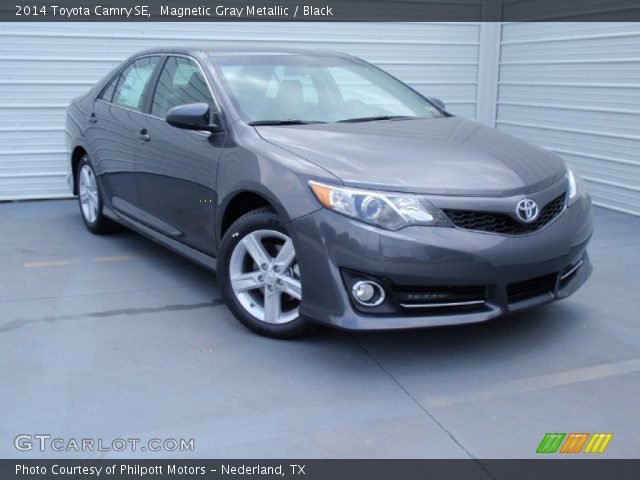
column 281, row 177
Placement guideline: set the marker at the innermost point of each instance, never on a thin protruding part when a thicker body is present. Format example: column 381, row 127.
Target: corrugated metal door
column 43, row 66
column 575, row 88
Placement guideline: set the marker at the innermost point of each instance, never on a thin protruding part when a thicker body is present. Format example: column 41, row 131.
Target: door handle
column 143, row 135
column 92, row 118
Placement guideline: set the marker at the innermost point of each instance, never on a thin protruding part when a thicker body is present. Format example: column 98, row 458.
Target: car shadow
column 509, row 337
column 512, row 335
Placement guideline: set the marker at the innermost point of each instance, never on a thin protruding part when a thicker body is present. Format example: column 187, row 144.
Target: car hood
column 448, row 156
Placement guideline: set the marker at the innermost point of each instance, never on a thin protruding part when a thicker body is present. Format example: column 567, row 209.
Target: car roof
column 226, row 50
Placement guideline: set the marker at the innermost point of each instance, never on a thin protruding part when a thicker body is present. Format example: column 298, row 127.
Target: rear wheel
column 260, row 275
column 90, row 199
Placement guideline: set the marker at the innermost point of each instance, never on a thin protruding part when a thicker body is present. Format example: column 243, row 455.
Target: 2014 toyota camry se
column 325, row 191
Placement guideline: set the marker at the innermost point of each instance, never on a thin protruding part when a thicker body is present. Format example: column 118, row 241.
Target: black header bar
column 319, row 10
column 547, row 469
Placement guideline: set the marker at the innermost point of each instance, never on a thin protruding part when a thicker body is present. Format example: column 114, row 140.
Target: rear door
column 176, row 169
column 113, row 128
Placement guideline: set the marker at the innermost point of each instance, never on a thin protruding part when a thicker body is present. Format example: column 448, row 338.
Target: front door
column 176, row 169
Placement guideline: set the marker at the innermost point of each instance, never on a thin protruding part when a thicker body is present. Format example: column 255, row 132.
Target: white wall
column 43, row 66
column 570, row 87
column 574, row 88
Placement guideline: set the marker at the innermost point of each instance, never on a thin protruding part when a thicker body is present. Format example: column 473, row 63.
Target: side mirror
column 194, row 116
column 439, row 103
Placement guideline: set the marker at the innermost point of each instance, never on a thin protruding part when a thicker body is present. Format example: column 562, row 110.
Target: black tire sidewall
column 260, row 219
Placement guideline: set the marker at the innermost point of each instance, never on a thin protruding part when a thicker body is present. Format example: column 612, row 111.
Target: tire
column 260, row 277
column 90, row 200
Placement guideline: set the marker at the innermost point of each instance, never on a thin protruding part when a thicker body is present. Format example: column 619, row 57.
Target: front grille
column 504, row 224
column 535, row 287
column 436, row 299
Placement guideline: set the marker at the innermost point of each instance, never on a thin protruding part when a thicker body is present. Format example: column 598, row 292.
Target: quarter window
column 133, row 83
column 181, row 82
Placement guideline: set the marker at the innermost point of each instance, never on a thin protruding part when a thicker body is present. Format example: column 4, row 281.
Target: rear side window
column 181, row 82
column 133, row 83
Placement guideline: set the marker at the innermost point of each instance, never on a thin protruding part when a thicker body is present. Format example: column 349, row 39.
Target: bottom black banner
column 546, row 469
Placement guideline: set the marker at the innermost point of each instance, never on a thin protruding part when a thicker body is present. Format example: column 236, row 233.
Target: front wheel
column 260, row 276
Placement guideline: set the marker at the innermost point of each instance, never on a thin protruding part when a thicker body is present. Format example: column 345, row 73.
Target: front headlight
column 575, row 185
column 391, row 211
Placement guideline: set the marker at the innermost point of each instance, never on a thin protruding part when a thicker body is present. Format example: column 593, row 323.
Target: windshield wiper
column 376, row 118
column 258, row 123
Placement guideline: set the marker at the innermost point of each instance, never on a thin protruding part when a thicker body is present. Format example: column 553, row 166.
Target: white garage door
column 43, row 66
column 575, row 89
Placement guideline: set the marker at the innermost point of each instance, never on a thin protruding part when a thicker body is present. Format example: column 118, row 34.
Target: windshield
column 272, row 89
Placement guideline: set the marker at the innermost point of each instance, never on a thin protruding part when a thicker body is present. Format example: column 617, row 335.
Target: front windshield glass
column 308, row 89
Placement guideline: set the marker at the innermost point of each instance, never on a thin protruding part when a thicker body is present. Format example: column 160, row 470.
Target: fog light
column 368, row 293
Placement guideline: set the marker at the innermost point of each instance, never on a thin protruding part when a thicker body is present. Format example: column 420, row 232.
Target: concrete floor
column 114, row 337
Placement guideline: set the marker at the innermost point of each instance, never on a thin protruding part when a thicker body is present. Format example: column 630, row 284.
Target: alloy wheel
column 265, row 276
column 88, row 192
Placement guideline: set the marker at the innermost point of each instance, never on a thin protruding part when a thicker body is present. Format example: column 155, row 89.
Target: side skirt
column 192, row 254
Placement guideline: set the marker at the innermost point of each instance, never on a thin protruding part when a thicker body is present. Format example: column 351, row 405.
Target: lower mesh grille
column 501, row 223
column 531, row 288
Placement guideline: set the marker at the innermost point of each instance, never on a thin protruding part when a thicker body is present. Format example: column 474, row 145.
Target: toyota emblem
column 527, row 210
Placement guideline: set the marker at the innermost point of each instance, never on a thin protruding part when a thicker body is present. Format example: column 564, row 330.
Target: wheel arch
column 77, row 154
column 243, row 201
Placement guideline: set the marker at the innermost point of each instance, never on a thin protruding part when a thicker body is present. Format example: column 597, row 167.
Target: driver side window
column 181, row 82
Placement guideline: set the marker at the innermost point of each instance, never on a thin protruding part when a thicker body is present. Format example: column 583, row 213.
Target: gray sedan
column 325, row 191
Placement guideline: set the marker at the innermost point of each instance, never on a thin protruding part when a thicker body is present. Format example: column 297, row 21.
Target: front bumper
column 332, row 248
